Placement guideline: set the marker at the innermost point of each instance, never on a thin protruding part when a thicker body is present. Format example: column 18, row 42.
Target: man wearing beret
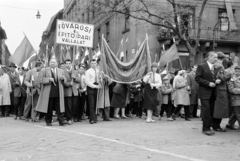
column 234, row 89
column 32, row 81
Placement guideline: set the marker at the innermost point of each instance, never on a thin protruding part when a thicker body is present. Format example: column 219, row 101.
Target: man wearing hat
column 82, row 88
column 70, row 90
column 32, row 81
column 19, row 93
column 194, row 92
column 12, row 74
column 222, row 58
column 234, row 89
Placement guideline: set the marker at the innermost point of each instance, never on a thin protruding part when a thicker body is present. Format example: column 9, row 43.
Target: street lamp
column 38, row 15
column 214, row 29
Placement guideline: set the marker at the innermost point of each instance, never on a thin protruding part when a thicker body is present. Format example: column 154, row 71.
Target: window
column 107, row 31
column 99, row 35
column 186, row 18
column 88, row 18
column 127, row 22
column 185, row 61
column 83, row 17
column 223, row 20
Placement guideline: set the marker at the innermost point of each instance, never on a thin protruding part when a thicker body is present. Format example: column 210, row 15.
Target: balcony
column 207, row 34
column 218, row 35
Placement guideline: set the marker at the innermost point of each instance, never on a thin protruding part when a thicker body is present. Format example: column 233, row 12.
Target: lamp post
column 214, row 29
column 38, row 15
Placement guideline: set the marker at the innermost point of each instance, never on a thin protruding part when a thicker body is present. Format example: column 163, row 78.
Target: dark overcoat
column 221, row 107
column 45, row 75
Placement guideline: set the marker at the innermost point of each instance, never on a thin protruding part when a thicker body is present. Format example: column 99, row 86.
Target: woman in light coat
column 5, row 90
column 181, row 95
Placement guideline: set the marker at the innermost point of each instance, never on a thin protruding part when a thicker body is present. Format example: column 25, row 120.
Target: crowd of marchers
column 210, row 91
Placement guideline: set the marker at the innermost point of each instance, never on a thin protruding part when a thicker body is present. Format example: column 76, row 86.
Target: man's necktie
column 154, row 81
column 81, row 83
column 96, row 79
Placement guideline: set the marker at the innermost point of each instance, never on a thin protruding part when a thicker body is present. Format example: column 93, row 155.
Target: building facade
column 219, row 30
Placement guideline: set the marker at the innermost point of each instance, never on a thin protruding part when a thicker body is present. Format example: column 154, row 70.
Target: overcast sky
column 18, row 16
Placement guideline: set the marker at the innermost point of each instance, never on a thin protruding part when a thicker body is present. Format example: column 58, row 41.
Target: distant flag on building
column 86, row 56
column 68, row 53
column 53, row 53
column 32, row 61
column 122, row 56
column 168, row 56
column 24, row 51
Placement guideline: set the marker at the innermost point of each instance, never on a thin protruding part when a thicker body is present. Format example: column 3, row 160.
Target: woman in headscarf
column 181, row 95
column 153, row 82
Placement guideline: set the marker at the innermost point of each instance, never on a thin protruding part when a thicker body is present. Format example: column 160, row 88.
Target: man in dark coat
column 19, row 94
column 206, row 77
column 194, row 92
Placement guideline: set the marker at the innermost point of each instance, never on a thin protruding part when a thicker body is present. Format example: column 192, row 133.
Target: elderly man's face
column 212, row 58
column 53, row 63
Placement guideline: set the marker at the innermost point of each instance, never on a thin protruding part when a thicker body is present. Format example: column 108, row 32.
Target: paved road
column 119, row 140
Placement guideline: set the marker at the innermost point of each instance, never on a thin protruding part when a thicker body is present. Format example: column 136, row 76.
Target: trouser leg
column 68, row 108
column 92, row 95
column 186, row 111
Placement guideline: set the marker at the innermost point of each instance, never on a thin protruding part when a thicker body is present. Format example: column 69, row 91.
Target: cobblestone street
column 125, row 139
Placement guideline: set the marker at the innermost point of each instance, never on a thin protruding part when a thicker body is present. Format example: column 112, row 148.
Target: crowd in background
column 74, row 93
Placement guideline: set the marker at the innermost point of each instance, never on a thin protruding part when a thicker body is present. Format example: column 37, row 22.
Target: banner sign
column 73, row 33
column 129, row 72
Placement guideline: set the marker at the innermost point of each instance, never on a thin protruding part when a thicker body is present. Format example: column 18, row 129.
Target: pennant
column 170, row 55
column 24, row 51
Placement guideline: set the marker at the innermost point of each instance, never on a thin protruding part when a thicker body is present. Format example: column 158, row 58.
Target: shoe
column 35, row 120
column 107, row 120
column 190, row 116
column 159, row 118
column 7, row 115
column 169, row 119
column 209, row 133
column 95, row 121
column 75, row 120
column 124, row 117
column 116, row 117
column 220, row 130
column 173, row 116
column 187, row 119
column 153, row 121
column 48, row 124
column 196, row 117
column 231, row 127
column 22, row 118
column 148, row 121
column 91, row 122
column 70, row 122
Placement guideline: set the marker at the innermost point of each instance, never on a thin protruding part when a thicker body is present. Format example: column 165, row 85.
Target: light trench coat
column 5, row 90
column 181, row 94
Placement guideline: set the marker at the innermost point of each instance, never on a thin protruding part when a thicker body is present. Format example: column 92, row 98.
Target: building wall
column 137, row 33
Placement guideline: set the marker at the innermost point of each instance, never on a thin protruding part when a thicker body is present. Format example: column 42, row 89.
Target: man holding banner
column 93, row 84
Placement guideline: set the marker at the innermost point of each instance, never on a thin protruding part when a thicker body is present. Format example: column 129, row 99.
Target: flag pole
column 33, row 48
column 180, row 62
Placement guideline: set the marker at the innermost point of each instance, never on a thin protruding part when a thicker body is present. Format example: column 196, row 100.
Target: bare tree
column 173, row 15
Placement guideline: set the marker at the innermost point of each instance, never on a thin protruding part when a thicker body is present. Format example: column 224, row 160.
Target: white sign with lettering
column 73, row 33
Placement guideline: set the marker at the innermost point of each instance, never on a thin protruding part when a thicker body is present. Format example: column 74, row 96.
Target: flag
column 169, row 55
column 53, row 53
column 86, row 56
column 22, row 53
column 121, row 56
column 32, row 60
column 68, row 53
